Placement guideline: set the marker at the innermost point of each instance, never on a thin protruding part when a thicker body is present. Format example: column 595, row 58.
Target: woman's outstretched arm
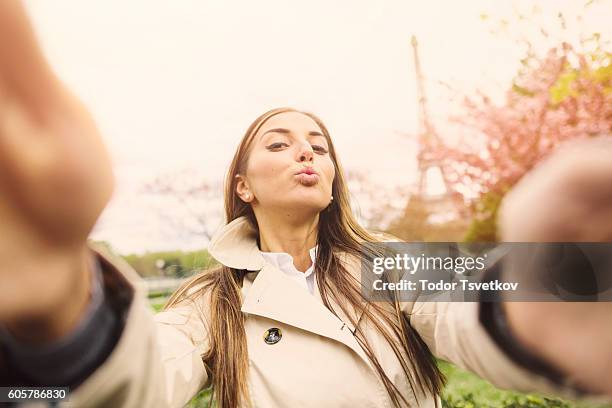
column 55, row 180
column 563, row 347
column 568, row 198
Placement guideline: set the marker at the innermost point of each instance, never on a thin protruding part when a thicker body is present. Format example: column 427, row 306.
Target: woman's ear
column 243, row 190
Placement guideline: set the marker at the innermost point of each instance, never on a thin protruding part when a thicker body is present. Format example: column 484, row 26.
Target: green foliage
column 463, row 401
column 564, row 87
column 467, row 390
column 599, row 71
column 603, row 74
column 202, row 400
column 175, row 263
column 516, row 401
column 484, row 225
column 157, row 304
column 522, row 90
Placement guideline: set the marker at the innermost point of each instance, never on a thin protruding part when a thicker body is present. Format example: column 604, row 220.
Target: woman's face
column 289, row 165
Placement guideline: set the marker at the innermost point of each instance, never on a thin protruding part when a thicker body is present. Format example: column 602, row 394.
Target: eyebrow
column 287, row 131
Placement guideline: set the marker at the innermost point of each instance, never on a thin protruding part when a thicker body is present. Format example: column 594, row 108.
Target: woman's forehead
column 296, row 122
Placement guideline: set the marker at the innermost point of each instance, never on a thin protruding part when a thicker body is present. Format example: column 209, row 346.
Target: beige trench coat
column 317, row 362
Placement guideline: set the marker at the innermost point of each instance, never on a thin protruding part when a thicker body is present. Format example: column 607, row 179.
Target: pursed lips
column 307, row 170
column 307, row 176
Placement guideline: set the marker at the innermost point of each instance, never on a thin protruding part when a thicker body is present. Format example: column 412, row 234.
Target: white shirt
column 284, row 262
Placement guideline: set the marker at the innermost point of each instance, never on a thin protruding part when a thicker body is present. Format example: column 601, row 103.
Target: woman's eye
column 277, row 145
column 319, row 149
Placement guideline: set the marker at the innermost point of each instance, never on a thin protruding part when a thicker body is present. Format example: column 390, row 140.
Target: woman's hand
column 568, row 198
column 55, row 179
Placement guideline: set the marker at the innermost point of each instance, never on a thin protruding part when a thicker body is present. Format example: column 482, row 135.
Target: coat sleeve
column 454, row 332
column 157, row 359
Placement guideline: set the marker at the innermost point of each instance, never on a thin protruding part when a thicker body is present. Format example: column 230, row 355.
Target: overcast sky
column 174, row 84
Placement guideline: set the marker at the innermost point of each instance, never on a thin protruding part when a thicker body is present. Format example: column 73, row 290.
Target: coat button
column 273, row 335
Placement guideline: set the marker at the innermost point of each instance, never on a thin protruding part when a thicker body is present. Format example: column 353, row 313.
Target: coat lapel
column 269, row 293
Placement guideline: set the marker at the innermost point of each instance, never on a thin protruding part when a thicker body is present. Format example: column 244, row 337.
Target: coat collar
column 235, row 245
column 270, row 293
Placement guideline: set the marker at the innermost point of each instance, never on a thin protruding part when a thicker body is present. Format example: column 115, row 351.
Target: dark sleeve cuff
column 71, row 359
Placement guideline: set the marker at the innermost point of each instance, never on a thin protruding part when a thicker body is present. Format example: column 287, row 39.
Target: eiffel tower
column 434, row 212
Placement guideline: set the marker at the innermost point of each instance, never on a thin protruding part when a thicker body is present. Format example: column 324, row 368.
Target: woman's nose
column 306, row 154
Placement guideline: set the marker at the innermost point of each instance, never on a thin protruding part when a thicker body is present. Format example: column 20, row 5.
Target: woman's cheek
column 268, row 177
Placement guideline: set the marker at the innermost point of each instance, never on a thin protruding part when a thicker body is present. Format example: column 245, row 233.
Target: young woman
column 282, row 321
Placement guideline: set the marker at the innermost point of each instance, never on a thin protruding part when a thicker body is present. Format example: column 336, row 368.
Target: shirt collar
column 284, row 261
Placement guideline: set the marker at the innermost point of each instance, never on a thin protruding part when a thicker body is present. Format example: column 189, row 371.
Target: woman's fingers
column 568, row 197
column 573, row 336
column 56, row 172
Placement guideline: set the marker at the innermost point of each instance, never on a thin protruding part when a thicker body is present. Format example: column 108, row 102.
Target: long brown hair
column 227, row 357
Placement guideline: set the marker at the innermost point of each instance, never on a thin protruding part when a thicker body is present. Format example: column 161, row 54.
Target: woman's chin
column 304, row 205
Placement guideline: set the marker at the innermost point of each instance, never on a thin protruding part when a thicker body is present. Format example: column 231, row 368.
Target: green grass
column 467, row 390
column 157, row 304
column 201, row 400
